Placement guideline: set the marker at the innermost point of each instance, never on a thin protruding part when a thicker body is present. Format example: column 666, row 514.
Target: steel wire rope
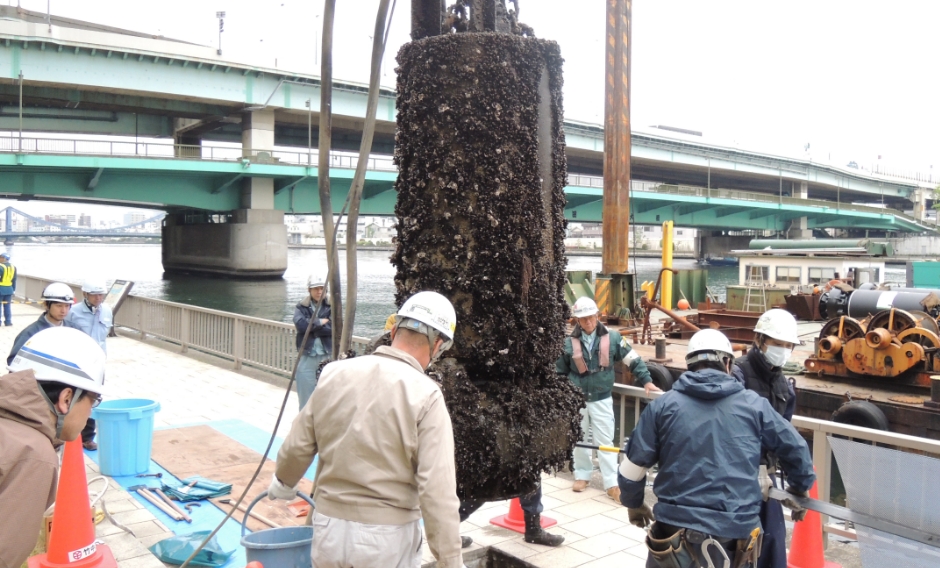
column 280, row 414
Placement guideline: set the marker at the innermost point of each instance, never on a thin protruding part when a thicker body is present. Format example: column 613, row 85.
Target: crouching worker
column 57, row 378
column 386, row 448
column 706, row 434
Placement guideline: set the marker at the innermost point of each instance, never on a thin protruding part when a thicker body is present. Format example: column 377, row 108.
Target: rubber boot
column 535, row 534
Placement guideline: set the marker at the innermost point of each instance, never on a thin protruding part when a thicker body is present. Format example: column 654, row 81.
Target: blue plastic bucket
column 286, row 547
column 125, row 435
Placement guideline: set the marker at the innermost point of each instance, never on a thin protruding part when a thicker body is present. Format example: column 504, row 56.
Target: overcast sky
column 853, row 79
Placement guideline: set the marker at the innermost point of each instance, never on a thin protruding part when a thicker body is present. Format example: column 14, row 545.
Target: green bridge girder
column 175, row 184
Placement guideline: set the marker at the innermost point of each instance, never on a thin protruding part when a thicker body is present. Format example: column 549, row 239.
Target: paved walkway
column 596, row 529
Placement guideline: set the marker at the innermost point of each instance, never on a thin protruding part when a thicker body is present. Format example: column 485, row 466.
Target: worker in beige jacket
column 386, row 448
column 57, row 378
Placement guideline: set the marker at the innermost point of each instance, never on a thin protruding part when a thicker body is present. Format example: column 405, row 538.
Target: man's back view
column 707, row 436
column 386, row 449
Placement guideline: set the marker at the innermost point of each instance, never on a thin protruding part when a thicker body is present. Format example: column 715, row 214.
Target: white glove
column 765, row 482
column 278, row 490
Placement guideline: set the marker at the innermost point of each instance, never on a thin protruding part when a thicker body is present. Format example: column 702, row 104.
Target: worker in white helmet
column 588, row 360
column 57, row 298
column 319, row 345
column 93, row 317
column 57, row 378
column 707, row 435
column 775, row 336
column 386, row 450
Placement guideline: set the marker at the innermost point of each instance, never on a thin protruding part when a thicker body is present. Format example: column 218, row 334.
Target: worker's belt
column 674, row 547
column 603, row 355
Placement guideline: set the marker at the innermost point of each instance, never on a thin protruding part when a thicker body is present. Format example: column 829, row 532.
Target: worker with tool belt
column 386, row 450
column 7, row 286
column 319, row 345
column 58, row 298
column 707, row 434
column 588, row 360
column 57, row 378
column 93, row 317
column 775, row 336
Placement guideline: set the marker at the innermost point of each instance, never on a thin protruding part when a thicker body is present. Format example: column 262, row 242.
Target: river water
column 269, row 299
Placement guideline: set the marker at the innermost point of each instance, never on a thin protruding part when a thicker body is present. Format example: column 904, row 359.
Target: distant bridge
column 60, row 230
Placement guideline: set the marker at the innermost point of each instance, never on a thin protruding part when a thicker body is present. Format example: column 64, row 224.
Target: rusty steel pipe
column 646, row 303
column 615, row 214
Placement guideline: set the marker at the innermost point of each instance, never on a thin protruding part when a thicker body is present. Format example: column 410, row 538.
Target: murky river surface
column 270, row 299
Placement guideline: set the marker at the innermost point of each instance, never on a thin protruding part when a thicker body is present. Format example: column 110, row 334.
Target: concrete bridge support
column 919, row 198
column 800, row 227
column 715, row 244
column 250, row 242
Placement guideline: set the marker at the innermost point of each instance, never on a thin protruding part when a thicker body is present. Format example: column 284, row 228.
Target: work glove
column 641, row 517
column 278, row 490
column 765, row 482
column 797, row 512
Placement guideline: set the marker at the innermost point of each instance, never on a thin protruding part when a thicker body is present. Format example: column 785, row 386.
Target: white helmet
column 708, row 345
column 94, row 286
column 315, row 281
column 64, row 355
column 584, row 307
column 432, row 309
column 58, row 292
column 779, row 324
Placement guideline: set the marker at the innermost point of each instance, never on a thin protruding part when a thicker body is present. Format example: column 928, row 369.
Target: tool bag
column 684, row 548
column 671, row 551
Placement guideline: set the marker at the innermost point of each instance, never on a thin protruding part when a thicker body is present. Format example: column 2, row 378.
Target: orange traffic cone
column 515, row 520
column 806, row 546
column 72, row 542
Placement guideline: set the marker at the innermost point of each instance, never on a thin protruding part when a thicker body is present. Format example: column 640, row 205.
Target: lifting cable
column 380, row 18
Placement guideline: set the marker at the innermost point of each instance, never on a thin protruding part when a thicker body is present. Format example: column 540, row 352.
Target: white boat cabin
column 800, row 270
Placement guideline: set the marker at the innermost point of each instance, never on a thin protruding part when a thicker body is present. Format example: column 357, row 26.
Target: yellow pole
column 666, row 294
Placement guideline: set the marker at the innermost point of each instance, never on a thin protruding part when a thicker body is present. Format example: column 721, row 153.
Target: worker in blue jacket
column 707, row 434
column 588, row 360
column 319, row 345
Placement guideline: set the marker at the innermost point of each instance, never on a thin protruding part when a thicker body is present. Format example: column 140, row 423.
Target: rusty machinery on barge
column 881, row 347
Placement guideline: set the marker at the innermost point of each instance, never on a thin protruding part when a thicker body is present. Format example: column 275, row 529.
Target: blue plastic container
column 125, row 435
column 286, row 547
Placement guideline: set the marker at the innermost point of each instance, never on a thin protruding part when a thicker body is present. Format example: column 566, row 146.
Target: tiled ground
column 192, row 390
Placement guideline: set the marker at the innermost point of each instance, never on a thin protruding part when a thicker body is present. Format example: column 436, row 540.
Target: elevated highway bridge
column 181, row 178
column 82, row 79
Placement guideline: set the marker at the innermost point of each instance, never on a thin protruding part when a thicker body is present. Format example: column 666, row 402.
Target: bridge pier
column 715, row 244
column 919, row 198
column 799, row 229
column 250, row 242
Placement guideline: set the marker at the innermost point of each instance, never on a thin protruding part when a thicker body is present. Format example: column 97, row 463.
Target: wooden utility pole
column 616, row 211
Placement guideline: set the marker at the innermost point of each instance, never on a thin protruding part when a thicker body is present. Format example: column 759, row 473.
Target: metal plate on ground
column 203, row 450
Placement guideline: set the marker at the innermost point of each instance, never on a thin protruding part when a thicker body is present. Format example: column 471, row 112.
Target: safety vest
column 9, row 271
column 578, row 356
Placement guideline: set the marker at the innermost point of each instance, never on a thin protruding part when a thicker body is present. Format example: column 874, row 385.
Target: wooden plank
column 203, row 450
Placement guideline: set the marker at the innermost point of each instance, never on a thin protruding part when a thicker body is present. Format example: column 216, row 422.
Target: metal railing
column 633, row 399
column 245, row 341
column 737, row 195
column 127, row 149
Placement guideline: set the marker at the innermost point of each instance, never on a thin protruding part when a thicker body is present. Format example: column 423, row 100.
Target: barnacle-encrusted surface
column 481, row 157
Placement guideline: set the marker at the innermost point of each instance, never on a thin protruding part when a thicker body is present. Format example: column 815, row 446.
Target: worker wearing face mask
column 775, row 336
